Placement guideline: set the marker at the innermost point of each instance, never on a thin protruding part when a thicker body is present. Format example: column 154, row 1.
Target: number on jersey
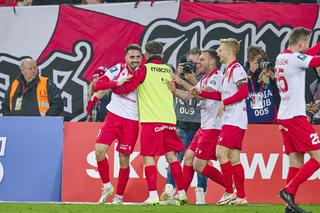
column 281, row 81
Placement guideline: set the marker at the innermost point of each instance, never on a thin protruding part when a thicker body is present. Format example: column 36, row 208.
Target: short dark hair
column 298, row 34
column 194, row 51
column 133, row 47
column 212, row 54
column 154, row 47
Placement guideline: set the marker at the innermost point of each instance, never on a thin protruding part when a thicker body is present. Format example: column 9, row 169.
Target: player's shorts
column 159, row 138
column 231, row 137
column 122, row 129
column 298, row 135
column 204, row 144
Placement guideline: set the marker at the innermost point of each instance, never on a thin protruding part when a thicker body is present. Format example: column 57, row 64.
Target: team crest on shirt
column 302, row 57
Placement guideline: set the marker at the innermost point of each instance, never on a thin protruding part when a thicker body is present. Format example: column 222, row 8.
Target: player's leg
column 151, row 178
column 226, row 169
column 188, row 170
column 238, row 178
column 123, row 178
column 176, row 171
column 103, row 169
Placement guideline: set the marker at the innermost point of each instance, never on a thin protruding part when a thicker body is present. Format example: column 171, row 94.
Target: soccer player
column 203, row 146
column 121, row 123
column 298, row 134
column 157, row 118
column 233, row 92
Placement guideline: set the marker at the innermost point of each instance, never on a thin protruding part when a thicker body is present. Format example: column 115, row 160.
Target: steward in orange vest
column 37, row 96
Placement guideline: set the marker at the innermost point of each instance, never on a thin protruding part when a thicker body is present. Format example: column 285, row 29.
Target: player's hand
column 176, row 79
column 220, row 110
column 195, row 91
column 120, row 83
column 191, row 77
column 171, row 86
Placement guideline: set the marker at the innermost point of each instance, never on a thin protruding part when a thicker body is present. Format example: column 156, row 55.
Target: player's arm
column 206, row 93
column 315, row 62
column 183, row 95
column 242, row 93
column 129, row 86
column 104, row 83
column 315, row 50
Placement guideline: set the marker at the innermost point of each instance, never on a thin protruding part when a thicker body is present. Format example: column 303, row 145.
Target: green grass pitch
column 88, row 208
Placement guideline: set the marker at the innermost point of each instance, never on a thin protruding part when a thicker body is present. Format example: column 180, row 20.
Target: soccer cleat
column 238, row 202
column 117, row 200
column 183, row 199
column 173, row 202
column 289, row 199
column 151, row 202
column 105, row 194
column 289, row 210
column 168, row 193
column 226, row 198
column 200, row 196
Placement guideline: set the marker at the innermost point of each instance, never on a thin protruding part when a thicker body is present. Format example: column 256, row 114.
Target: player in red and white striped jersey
column 233, row 93
column 298, row 134
column 121, row 123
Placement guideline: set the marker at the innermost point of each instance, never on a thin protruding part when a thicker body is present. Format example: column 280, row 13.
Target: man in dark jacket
column 32, row 95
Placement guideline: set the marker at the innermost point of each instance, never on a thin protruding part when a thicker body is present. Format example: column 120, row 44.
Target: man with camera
column 263, row 99
column 188, row 118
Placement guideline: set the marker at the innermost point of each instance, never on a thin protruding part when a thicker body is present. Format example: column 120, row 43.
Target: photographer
column 188, row 118
column 263, row 99
column 313, row 95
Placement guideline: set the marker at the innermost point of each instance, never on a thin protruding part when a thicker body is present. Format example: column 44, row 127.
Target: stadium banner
column 264, row 163
column 70, row 42
column 31, row 158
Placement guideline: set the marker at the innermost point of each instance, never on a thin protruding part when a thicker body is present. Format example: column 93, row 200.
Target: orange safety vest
column 42, row 94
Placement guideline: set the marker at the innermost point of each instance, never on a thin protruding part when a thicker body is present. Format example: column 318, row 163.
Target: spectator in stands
column 263, row 99
column 92, row 1
column 52, row 2
column 188, row 121
column 24, row 3
column 32, row 95
column 313, row 95
column 97, row 102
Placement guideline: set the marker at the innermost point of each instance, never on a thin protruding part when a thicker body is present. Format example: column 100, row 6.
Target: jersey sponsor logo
column 160, row 69
column 302, row 57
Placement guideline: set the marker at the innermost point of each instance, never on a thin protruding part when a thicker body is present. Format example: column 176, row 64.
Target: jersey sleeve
column 239, row 74
column 214, row 82
column 302, row 60
column 113, row 72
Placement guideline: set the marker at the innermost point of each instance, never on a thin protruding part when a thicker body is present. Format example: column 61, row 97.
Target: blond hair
column 298, row 34
column 232, row 44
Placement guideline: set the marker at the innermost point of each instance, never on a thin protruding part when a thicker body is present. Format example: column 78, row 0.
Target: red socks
column 187, row 176
column 151, row 176
column 123, row 180
column 305, row 172
column 103, row 169
column 226, row 170
column 291, row 173
column 176, row 172
column 238, row 178
column 213, row 174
